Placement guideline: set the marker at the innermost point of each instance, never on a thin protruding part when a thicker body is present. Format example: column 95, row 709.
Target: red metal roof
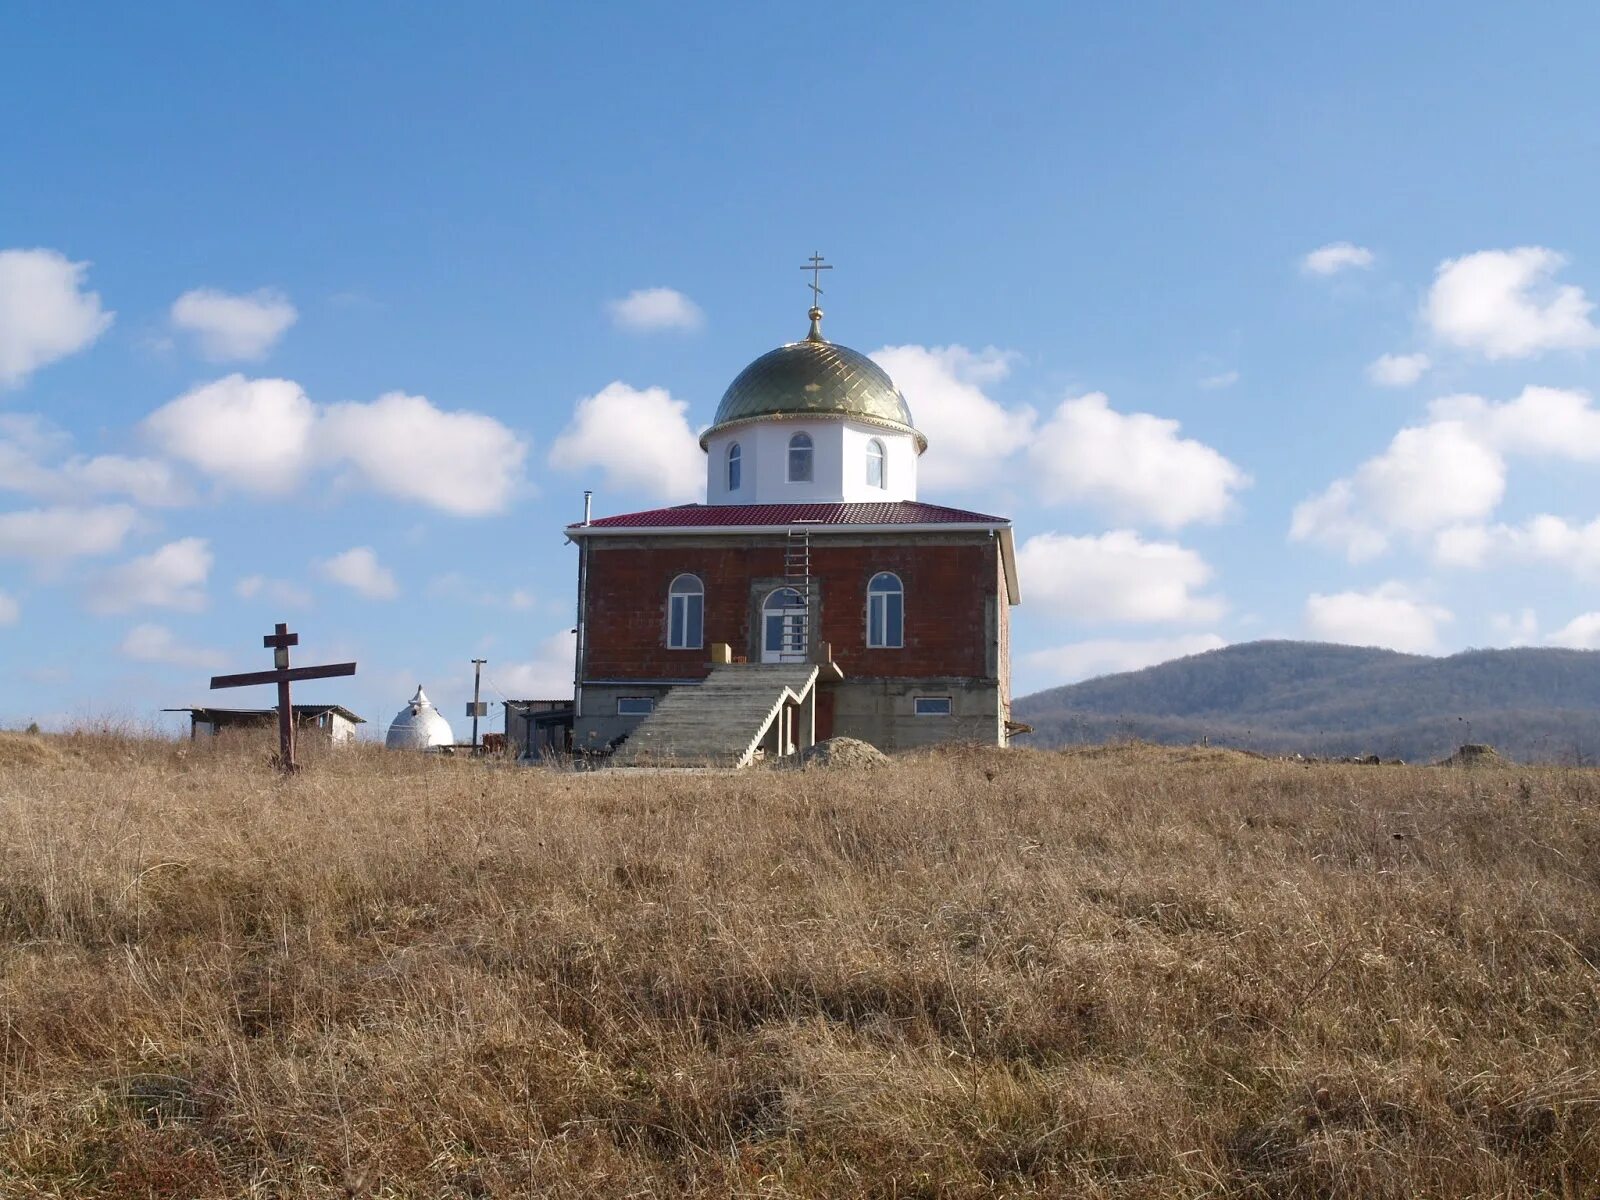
column 699, row 516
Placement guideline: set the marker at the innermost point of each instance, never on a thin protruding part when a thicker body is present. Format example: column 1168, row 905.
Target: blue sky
column 305, row 311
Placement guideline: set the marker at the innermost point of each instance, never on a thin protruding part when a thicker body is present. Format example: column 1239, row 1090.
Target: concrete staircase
column 719, row 722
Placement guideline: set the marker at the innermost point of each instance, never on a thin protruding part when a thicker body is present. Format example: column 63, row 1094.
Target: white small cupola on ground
column 812, row 422
column 419, row 726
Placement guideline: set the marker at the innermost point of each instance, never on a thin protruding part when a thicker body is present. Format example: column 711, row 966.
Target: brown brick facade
column 955, row 606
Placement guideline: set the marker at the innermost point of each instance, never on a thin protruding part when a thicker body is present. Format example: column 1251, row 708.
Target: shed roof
column 202, row 713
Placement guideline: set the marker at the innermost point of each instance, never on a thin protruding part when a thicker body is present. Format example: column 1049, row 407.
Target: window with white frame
column 635, row 706
column 800, row 455
column 686, row 611
column 877, row 471
column 886, row 612
column 932, row 706
column 734, row 455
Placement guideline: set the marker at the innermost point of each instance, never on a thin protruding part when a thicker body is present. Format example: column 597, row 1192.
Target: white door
column 783, row 627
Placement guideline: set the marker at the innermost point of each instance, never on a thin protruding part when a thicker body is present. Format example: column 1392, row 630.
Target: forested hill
column 1317, row 699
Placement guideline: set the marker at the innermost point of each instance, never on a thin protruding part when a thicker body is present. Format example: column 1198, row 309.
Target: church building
column 813, row 594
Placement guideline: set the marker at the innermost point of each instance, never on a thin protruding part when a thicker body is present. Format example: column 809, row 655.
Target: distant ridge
column 1315, row 698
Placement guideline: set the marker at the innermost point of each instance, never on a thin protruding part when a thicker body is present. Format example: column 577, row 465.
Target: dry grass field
column 1129, row 972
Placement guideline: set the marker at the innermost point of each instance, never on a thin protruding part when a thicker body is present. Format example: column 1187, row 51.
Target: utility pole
column 477, row 709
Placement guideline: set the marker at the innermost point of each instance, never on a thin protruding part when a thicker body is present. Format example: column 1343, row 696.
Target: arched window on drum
column 734, row 467
column 877, row 465
column 800, row 454
column 886, row 612
column 686, row 613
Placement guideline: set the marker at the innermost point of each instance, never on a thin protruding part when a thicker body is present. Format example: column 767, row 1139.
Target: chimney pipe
column 588, row 505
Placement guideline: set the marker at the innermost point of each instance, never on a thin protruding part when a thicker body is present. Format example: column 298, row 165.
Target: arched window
column 800, row 458
column 886, row 612
column 686, row 613
column 733, row 467
column 877, row 476
column 783, row 627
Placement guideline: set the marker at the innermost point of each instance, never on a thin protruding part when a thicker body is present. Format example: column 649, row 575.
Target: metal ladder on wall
column 796, row 638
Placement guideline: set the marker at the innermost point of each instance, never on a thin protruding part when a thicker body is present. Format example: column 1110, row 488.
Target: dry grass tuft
column 28, row 750
column 1101, row 974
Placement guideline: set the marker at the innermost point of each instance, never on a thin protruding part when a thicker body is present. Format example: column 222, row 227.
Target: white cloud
column 1224, row 379
column 460, row 462
column 232, row 327
column 28, row 446
column 1116, row 576
column 969, row 435
column 275, row 591
column 639, row 440
column 1431, row 476
column 1516, row 629
column 1335, row 517
column 45, row 314
column 1462, row 545
column 173, row 576
column 1135, row 465
column 254, row 434
column 1444, row 479
column 452, row 587
column 651, row 309
column 1108, row 656
column 157, row 644
column 1580, row 633
column 1336, row 257
column 10, row 610
column 1539, row 421
column 359, row 570
column 1505, row 304
column 57, row 534
column 265, row 435
column 1398, row 370
column 1541, row 539
column 1390, row 616
column 547, row 676
column 147, row 481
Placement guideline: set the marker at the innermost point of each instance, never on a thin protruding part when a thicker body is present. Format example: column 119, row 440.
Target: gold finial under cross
column 816, row 267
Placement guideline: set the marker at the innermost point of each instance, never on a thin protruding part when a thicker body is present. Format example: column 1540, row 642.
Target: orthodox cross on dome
column 279, row 642
column 816, row 267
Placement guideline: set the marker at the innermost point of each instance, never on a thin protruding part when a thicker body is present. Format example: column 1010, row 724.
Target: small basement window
column 638, row 706
column 932, row 706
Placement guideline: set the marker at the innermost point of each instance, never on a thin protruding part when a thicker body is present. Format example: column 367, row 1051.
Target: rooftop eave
column 582, row 530
column 1008, row 562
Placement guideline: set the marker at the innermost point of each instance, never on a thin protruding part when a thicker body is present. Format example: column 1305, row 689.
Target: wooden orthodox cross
column 279, row 642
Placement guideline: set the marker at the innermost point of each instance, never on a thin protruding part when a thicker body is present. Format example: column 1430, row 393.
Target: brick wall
column 950, row 591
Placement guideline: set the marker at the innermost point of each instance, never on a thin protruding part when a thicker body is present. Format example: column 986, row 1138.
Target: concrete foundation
column 883, row 712
column 599, row 723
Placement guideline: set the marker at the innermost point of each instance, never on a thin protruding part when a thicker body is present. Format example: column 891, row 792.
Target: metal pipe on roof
column 579, row 630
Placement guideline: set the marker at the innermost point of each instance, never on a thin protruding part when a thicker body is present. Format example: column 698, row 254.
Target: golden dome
column 814, row 379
